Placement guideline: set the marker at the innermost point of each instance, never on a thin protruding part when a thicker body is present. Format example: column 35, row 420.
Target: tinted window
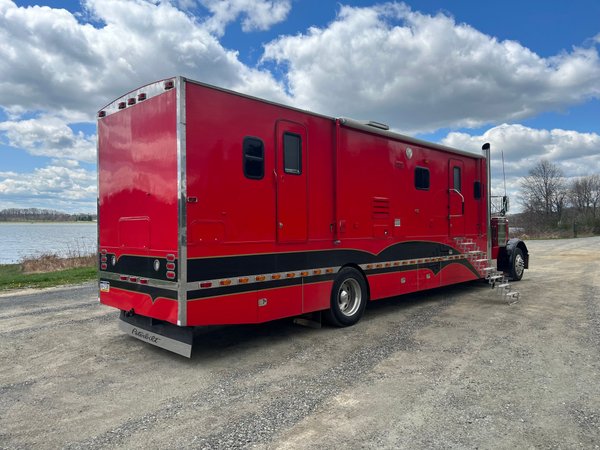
column 292, row 153
column 422, row 178
column 457, row 181
column 254, row 158
column 477, row 190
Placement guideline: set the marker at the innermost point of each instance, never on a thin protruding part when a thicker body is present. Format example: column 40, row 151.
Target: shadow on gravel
column 216, row 342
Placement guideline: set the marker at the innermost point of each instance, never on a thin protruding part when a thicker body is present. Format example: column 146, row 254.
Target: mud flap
column 162, row 334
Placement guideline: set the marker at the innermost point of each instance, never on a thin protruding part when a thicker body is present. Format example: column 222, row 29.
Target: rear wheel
column 348, row 298
column 517, row 267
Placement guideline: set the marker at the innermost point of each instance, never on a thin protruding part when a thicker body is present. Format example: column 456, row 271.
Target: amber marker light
column 291, row 275
column 317, row 272
column 260, row 278
column 225, row 282
column 275, row 276
column 243, row 280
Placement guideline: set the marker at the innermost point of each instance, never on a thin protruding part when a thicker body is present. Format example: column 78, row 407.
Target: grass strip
column 12, row 277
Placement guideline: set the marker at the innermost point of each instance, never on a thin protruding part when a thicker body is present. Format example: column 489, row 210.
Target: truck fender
column 506, row 254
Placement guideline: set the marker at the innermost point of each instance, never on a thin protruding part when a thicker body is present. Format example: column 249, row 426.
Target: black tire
column 517, row 265
column 349, row 296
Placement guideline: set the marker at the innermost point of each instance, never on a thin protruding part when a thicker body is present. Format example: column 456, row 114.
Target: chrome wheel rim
column 349, row 297
column 519, row 265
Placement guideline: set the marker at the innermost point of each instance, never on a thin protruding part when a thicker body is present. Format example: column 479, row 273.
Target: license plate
column 104, row 286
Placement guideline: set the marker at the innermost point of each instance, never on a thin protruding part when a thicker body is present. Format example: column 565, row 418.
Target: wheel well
column 362, row 272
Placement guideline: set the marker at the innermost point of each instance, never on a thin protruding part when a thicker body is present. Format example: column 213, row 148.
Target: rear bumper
column 162, row 334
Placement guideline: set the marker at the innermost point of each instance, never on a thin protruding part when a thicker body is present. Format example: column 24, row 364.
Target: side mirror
column 505, row 204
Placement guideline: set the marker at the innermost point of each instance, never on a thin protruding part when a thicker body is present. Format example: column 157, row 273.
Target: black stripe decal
column 248, row 265
column 435, row 267
column 240, row 288
column 141, row 266
column 153, row 292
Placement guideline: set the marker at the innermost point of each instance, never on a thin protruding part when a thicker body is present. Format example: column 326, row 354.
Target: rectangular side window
column 254, row 158
column 292, row 153
column 457, row 181
column 422, row 178
column 477, row 190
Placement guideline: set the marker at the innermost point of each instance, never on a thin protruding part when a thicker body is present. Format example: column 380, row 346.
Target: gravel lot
column 455, row 367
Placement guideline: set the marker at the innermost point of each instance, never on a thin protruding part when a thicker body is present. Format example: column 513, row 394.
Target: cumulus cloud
column 48, row 136
column 257, row 14
column 577, row 154
column 420, row 72
column 65, row 188
column 524, row 146
column 51, row 61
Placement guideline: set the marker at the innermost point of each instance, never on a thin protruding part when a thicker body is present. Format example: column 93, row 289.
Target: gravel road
column 454, row 367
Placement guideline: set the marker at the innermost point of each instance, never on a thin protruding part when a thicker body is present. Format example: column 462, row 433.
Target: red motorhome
column 216, row 207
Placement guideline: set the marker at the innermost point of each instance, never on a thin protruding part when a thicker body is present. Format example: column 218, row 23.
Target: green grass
column 12, row 277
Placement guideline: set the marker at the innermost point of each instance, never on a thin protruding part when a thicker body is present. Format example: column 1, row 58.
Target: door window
column 292, row 153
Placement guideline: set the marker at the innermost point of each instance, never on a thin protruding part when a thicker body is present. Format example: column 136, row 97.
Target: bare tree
column 584, row 195
column 544, row 192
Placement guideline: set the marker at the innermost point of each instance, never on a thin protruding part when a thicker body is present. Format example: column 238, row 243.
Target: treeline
column 553, row 203
column 42, row 215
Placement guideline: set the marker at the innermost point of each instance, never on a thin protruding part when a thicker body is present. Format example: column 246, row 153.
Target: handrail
column 463, row 204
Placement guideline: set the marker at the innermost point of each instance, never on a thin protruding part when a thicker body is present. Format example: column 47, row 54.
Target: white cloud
column 49, row 136
column 50, row 61
column 577, row 154
column 523, row 145
column 420, row 73
column 258, row 14
column 57, row 187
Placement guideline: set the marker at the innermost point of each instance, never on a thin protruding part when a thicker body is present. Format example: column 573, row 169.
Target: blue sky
column 524, row 76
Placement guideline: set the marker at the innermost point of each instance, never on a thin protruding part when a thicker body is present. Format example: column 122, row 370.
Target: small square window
column 292, row 153
column 422, row 178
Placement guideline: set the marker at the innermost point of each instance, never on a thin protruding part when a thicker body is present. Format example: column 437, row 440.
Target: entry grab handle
column 462, row 199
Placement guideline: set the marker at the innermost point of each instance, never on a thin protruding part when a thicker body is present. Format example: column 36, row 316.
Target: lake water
column 18, row 240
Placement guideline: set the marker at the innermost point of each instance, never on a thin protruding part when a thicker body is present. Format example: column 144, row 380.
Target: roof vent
column 381, row 126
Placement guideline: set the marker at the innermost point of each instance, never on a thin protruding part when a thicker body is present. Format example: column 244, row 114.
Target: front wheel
column 348, row 298
column 517, row 267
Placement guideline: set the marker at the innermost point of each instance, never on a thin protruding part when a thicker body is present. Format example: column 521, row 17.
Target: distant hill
column 42, row 215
